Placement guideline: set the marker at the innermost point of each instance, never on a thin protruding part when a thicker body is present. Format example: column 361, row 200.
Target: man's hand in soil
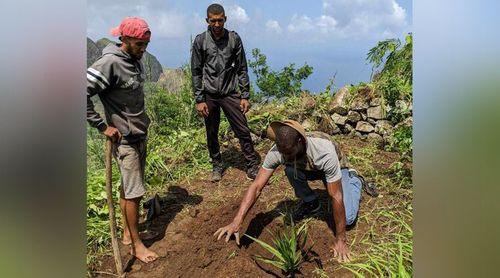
column 341, row 251
column 244, row 105
column 112, row 133
column 228, row 231
column 202, row 109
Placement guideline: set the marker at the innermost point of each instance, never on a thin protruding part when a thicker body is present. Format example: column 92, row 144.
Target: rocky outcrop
column 377, row 112
column 152, row 66
column 172, row 80
column 353, row 117
column 93, row 52
column 338, row 104
column 339, row 119
column 364, row 127
column 363, row 113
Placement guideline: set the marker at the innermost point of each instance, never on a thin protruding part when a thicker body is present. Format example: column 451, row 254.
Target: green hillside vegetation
column 177, row 147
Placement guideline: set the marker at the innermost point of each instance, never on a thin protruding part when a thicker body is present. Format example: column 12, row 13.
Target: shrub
column 278, row 84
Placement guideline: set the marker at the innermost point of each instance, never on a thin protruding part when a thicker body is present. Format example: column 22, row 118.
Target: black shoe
column 153, row 206
column 216, row 174
column 306, row 209
column 370, row 188
column 252, row 172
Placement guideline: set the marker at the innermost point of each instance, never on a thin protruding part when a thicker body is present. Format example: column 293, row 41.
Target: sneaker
column 306, row 209
column 216, row 174
column 252, row 172
column 370, row 188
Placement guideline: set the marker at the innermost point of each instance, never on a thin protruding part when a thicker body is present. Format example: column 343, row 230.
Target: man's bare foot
column 146, row 235
column 143, row 253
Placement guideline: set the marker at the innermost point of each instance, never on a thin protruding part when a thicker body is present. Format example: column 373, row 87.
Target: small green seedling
column 288, row 248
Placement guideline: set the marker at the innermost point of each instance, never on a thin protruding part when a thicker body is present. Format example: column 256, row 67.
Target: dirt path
column 192, row 212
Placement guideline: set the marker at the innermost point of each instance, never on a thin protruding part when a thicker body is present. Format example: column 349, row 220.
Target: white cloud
column 164, row 21
column 165, row 24
column 300, row 24
column 273, row 26
column 365, row 17
column 326, row 24
column 352, row 18
column 237, row 14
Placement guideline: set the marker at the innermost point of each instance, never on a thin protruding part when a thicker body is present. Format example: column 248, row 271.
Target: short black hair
column 287, row 136
column 215, row 9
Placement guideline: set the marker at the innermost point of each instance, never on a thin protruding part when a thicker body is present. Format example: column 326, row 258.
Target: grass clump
column 288, row 248
column 388, row 254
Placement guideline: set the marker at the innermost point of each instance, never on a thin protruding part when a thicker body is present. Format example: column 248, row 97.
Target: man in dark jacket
column 118, row 78
column 220, row 80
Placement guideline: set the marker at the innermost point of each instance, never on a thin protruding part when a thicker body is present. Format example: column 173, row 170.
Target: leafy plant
column 395, row 62
column 288, row 248
column 402, row 140
column 278, row 84
column 398, row 60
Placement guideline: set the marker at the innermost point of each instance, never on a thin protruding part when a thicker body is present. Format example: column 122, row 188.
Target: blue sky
column 330, row 35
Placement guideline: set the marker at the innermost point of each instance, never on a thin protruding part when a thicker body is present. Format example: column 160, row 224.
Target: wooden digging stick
column 112, row 220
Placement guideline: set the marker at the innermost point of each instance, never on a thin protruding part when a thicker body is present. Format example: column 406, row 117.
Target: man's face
column 293, row 152
column 216, row 22
column 135, row 47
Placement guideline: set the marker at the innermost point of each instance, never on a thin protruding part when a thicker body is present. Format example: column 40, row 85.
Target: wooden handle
column 112, row 220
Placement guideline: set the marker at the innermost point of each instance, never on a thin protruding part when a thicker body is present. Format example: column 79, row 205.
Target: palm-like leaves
column 398, row 60
column 287, row 249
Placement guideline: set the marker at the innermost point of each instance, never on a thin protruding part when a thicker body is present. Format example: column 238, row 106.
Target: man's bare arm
column 252, row 194
column 340, row 244
column 249, row 199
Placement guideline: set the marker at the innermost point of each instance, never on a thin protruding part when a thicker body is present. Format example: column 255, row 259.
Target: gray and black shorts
column 131, row 160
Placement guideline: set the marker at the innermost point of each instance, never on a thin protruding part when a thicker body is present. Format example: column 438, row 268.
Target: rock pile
column 361, row 114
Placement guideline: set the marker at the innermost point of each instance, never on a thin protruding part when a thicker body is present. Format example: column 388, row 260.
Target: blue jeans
column 351, row 188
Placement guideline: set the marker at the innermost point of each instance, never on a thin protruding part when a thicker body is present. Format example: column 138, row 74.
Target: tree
column 395, row 77
column 278, row 84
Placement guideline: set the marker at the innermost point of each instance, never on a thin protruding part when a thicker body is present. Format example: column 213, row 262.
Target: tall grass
column 388, row 253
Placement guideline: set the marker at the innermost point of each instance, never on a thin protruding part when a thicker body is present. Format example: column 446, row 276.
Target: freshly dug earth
column 193, row 211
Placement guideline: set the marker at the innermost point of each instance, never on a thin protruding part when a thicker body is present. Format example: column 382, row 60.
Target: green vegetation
column 390, row 254
column 278, row 84
column 395, row 78
column 288, row 248
column 177, row 153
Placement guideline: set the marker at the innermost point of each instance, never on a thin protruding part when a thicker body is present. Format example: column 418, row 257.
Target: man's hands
column 244, row 105
column 341, row 251
column 229, row 230
column 112, row 133
column 202, row 109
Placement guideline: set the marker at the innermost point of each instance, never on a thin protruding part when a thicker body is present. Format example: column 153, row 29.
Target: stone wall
column 362, row 114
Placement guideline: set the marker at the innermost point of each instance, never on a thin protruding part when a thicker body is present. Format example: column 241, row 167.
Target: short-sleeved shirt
column 321, row 156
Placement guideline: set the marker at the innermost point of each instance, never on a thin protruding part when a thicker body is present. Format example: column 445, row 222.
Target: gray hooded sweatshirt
column 118, row 79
